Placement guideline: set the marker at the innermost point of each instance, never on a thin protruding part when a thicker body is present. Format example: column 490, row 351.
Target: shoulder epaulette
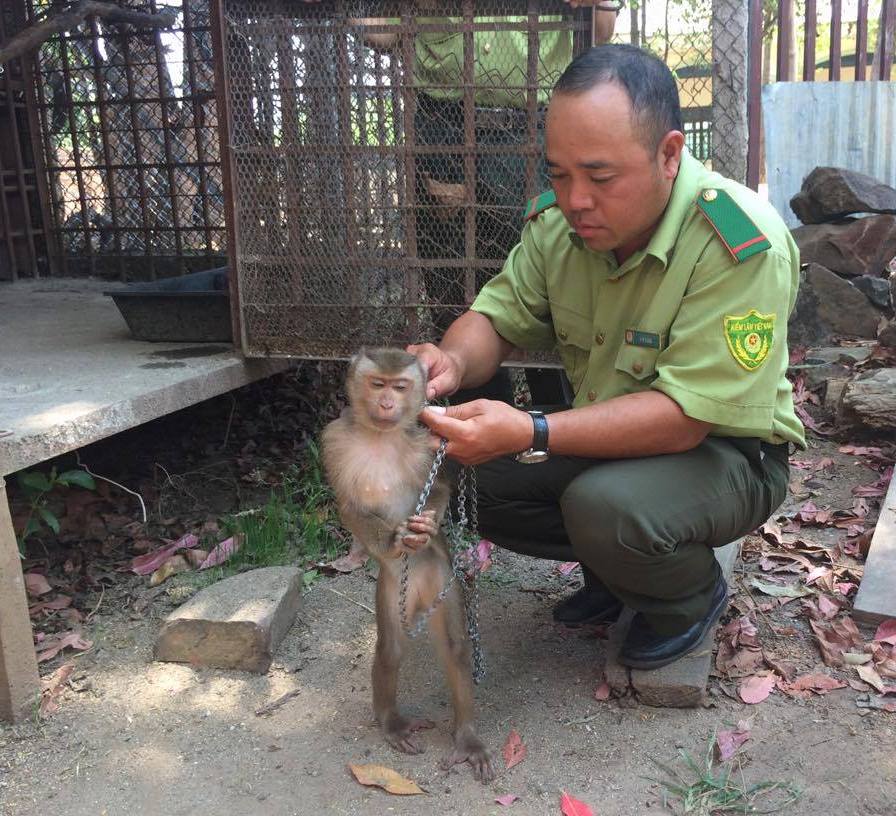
column 539, row 204
column 741, row 237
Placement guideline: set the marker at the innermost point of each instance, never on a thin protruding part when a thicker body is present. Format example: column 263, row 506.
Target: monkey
column 376, row 458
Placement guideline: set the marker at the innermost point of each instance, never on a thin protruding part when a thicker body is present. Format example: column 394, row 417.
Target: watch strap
column 540, row 436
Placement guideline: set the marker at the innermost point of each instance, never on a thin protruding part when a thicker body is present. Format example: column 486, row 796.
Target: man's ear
column 669, row 153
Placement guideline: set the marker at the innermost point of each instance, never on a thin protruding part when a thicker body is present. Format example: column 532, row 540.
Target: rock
column 829, row 306
column 877, row 290
column 829, row 193
column 236, row 623
column 887, row 334
column 870, row 400
column 853, row 247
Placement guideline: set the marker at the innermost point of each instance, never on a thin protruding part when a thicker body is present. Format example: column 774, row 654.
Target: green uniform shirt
column 680, row 316
column 500, row 60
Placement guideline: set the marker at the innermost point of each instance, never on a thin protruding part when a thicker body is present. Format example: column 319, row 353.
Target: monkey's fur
column 377, row 458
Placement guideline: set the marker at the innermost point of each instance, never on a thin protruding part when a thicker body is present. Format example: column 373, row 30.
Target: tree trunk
column 870, row 400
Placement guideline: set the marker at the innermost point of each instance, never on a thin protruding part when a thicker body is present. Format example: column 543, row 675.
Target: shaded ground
column 136, row 737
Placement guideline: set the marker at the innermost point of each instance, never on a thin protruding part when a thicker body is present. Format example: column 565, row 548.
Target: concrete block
column 236, row 623
column 681, row 684
column 876, row 600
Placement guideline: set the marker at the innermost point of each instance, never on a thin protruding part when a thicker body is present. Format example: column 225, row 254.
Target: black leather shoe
column 590, row 604
column 645, row 649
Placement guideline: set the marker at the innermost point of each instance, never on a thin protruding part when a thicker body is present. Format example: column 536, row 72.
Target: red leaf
column 729, row 741
column 757, row 688
column 149, row 563
column 573, row 807
column 602, row 692
column 36, row 584
column 886, row 632
column 506, row 799
column 514, row 751
column 221, row 552
column 51, row 646
column 567, row 567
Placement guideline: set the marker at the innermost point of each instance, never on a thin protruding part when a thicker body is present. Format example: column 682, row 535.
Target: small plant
column 708, row 790
column 37, row 487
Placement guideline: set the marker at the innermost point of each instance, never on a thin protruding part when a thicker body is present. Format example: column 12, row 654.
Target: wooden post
column 19, row 680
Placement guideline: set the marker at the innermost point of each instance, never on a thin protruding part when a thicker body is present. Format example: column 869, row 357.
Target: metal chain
column 460, row 537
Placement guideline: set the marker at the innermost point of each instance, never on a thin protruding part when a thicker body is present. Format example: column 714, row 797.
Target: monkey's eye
column 401, row 387
column 377, row 383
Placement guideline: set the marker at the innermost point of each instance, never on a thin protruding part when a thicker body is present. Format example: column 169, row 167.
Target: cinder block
column 236, row 623
column 681, row 684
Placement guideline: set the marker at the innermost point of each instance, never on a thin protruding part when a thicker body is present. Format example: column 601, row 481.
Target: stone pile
column 848, row 282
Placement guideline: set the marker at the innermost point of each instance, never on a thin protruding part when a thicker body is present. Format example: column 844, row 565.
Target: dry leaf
column 757, row 688
column 51, row 687
column 727, row 742
column 886, row 632
column 221, row 552
column 602, row 692
column 195, row 557
column 815, row 682
column 567, row 567
column 174, row 565
column 52, row 646
column 385, row 778
column 36, row 584
column 506, row 799
column 514, row 751
column 573, row 807
column 871, row 677
column 145, row 564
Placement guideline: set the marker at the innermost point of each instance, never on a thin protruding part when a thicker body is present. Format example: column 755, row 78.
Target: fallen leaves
column 886, row 632
column 53, row 645
column 514, row 750
column 221, row 552
column 756, row 688
column 149, row 563
column 382, row 777
column 506, row 799
column 728, row 741
column 807, row 684
column 51, row 688
column 36, row 584
column 570, row 806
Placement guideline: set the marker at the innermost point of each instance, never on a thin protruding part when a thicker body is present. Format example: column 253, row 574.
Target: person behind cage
column 666, row 290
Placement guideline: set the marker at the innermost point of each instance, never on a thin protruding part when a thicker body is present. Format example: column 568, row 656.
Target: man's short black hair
column 646, row 79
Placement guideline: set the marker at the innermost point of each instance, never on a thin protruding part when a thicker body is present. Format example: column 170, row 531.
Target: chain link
column 461, row 537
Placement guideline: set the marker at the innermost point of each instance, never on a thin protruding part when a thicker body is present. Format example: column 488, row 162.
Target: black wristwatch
column 539, row 450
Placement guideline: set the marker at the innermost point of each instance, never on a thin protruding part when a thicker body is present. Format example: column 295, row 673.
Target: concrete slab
column 681, row 684
column 236, row 623
column 70, row 373
column 876, row 598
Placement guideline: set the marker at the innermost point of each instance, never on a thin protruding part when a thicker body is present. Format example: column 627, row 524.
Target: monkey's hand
column 415, row 533
column 469, row 748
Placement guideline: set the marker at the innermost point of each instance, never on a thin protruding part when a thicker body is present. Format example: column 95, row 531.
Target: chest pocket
column 573, row 332
column 638, row 362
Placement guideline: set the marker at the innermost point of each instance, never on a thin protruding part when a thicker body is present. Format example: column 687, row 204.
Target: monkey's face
column 390, row 401
column 386, row 389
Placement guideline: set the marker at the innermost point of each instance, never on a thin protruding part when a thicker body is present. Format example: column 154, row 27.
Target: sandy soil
column 137, row 737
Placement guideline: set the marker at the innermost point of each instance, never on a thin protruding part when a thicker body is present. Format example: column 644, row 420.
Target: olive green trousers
column 645, row 527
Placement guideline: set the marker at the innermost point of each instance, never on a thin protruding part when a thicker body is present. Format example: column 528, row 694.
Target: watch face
column 532, row 457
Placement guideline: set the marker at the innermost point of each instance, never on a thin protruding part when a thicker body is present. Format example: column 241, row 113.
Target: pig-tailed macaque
column 377, row 459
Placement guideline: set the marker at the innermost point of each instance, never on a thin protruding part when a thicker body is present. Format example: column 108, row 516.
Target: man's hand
column 443, row 371
column 480, row 430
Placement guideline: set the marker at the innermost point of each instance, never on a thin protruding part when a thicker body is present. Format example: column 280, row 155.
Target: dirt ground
column 132, row 736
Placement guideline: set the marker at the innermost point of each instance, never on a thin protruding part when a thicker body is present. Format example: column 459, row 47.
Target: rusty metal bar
column 809, row 45
column 173, row 187
column 754, row 93
column 836, row 42
column 138, row 154
column 409, row 109
column 223, row 97
column 107, row 151
column 862, row 41
column 469, row 154
column 532, row 99
column 198, row 118
column 344, row 111
column 785, row 33
column 76, row 153
column 882, row 70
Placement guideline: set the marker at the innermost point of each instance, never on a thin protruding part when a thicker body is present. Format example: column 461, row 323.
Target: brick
column 236, row 623
column 875, row 600
column 681, row 684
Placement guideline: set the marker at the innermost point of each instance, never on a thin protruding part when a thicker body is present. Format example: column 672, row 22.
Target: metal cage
column 377, row 160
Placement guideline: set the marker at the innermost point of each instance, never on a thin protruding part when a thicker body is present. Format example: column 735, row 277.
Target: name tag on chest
column 634, row 337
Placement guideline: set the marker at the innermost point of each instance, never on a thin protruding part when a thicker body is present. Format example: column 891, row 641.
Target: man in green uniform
column 666, row 290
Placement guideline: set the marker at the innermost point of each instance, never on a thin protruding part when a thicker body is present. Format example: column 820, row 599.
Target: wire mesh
column 381, row 160
column 131, row 144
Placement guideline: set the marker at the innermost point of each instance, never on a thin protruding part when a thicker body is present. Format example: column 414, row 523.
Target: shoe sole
column 659, row 663
column 607, row 616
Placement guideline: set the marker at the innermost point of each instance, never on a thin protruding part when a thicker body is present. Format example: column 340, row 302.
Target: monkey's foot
column 469, row 748
column 399, row 732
